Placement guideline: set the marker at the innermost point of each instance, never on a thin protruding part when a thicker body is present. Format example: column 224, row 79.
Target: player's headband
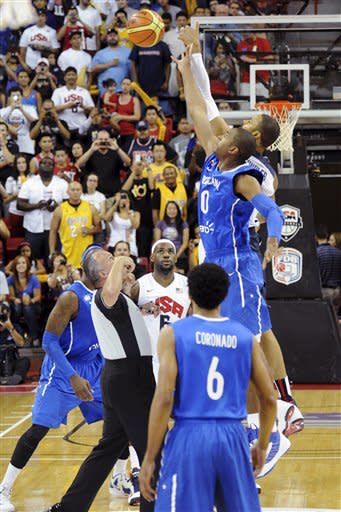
column 88, row 250
column 163, row 241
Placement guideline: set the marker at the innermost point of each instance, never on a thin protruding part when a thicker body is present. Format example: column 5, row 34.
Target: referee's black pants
column 127, row 388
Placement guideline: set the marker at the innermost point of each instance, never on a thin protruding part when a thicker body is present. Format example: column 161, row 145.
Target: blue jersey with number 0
column 214, row 366
column 224, row 216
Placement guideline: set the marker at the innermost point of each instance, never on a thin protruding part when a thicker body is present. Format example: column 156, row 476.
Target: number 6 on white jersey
column 215, row 380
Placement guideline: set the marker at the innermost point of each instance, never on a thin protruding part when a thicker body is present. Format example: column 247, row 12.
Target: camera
column 4, row 312
column 16, row 97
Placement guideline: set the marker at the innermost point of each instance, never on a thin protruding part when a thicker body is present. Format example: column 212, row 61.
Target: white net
column 16, row 13
column 286, row 114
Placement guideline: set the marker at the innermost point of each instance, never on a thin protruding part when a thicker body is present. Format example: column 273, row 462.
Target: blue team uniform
column 223, row 222
column 55, row 396
column 207, row 454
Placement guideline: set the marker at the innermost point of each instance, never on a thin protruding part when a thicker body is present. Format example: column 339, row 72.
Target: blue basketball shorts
column 206, row 462
column 245, row 302
column 55, row 397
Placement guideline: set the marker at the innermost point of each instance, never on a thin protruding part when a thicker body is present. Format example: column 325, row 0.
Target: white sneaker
column 278, row 446
column 5, row 502
column 120, row 485
column 289, row 417
column 134, row 498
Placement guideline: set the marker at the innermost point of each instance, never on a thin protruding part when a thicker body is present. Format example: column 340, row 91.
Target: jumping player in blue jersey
column 206, row 454
column 70, row 377
column 230, row 189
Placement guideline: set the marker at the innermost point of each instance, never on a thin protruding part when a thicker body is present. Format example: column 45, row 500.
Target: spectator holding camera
column 19, row 118
column 76, row 222
column 72, row 102
column 128, row 111
column 73, row 23
column 29, row 95
column 49, row 123
column 36, row 39
column 38, row 198
column 44, row 82
column 13, row 368
column 123, row 222
column 13, row 186
column 105, row 159
column 61, row 277
column 97, row 200
column 8, row 150
column 25, row 297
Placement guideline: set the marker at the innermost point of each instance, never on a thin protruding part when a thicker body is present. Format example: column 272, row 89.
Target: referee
column 127, row 378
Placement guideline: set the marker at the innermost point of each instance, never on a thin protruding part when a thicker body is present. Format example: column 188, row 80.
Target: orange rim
column 279, row 108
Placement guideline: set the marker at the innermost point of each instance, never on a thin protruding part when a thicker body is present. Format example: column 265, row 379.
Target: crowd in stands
column 95, row 145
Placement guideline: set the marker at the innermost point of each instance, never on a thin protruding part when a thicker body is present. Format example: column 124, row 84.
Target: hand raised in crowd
column 113, row 144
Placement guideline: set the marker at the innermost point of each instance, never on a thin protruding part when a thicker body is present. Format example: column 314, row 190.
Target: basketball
column 145, row 28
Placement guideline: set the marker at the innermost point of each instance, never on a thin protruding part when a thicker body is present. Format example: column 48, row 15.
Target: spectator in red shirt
column 250, row 47
column 73, row 23
column 128, row 112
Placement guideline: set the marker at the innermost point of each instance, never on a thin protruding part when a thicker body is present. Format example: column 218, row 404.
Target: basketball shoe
column 5, row 500
column 278, row 446
column 120, row 485
column 289, row 418
column 134, row 498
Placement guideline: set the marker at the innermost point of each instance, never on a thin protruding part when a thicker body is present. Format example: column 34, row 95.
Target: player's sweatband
column 203, row 83
column 269, row 209
column 55, row 352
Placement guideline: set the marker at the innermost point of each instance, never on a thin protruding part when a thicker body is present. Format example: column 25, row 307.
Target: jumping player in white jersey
column 162, row 296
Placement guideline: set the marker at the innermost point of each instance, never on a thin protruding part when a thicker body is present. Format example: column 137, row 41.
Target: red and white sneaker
column 289, row 418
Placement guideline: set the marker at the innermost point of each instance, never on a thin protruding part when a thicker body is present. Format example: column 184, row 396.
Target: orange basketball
column 145, row 28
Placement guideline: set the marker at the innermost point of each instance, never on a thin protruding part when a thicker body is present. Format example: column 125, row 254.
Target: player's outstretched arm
column 261, row 378
column 248, row 187
column 161, row 409
column 190, row 36
column 64, row 311
column 196, row 104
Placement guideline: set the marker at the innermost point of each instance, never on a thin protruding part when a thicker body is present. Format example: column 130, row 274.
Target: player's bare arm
column 261, row 378
column 65, row 310
column 55, row 223
column 161, row 409
column 122, row 266
column 196, row 105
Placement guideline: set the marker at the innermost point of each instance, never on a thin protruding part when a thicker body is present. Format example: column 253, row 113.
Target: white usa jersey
column 174, row 304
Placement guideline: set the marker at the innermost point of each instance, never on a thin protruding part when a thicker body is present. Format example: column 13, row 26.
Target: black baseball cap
column 74, row 33
column 41, row 11
column 142, row 125
column 112, row 30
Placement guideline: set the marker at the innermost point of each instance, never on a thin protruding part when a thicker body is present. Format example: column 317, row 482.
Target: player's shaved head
column 244, row 141
column 269, row 129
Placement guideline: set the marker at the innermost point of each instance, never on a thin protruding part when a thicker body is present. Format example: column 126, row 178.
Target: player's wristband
column 54, row 351
column 274, row 216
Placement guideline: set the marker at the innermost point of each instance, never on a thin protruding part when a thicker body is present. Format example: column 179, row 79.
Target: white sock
column 120, row 466
column 10, row 476
column 134, row 460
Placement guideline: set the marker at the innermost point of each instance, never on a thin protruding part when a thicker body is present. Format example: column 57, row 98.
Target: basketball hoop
column 286, row 114
column 16, row 13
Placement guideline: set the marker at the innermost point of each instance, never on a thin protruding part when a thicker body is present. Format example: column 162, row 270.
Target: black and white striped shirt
column 120, row 329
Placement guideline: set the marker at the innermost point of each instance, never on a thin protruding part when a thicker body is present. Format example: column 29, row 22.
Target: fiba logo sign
column 287, row 266
column 293, row 222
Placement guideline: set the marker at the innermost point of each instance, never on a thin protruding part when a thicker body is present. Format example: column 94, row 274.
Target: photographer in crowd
column 13, row 369
column 49, row 123
column 105, row 159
